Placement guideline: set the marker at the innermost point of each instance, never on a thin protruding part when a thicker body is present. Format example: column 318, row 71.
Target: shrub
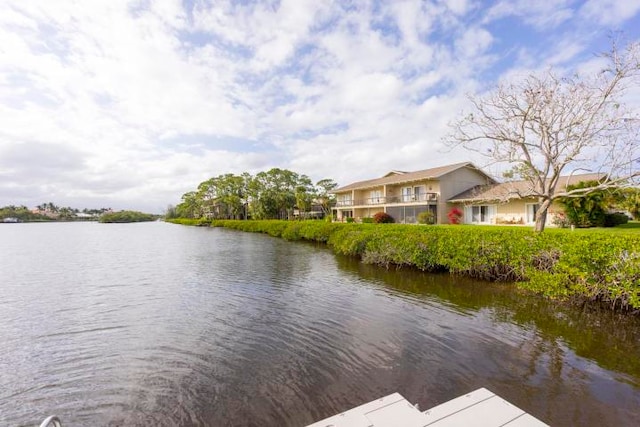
column 455, row 216
column 188, row 221
column 126, row 216
column 382, row 218
column 426, row 217
column 616, row 218
column 588, row 210
column 367, row 220
column 350, row 219
column 560, row 220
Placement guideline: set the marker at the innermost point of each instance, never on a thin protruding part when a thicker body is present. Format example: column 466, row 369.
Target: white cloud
column 474, row 42
column 459, row 7
column 134, row 103
column 542, row 15
column 611, row 12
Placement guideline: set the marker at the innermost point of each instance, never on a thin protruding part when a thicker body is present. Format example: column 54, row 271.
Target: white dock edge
column 480, row 408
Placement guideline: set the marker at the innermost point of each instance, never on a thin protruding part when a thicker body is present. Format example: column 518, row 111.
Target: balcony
column 391, row 200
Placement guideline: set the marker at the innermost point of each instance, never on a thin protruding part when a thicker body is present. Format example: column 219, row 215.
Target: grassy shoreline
column 594, row 268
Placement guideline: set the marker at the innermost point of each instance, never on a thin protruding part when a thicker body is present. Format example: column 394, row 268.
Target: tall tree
column 305, row 194
column 547, row 125
column 232, row 195
column 324, row 196
column 273, row 193
column 191, row 205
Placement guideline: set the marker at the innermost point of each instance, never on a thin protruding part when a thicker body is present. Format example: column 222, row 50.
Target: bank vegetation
column 127, row 216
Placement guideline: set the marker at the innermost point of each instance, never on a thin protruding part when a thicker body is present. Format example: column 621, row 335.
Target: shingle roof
column 515, row 189
column 396, row 177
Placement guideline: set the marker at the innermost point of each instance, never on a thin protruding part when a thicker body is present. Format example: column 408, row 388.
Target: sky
column 130, row 104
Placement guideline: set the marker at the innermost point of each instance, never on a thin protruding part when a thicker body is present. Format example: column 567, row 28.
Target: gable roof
column 515, row 189
column 398, row 177
column 394, row 172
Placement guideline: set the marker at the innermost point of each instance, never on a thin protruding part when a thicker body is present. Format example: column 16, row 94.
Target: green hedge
column 126, row 216
column 595, row 267
column 189, row 221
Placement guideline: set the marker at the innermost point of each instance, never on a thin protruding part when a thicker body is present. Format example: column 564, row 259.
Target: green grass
column 632, row 227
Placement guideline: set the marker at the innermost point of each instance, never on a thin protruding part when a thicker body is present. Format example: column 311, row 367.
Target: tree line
column 273, row 194
column 49, row 212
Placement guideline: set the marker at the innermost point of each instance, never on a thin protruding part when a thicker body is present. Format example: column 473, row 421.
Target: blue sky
column 129, row 104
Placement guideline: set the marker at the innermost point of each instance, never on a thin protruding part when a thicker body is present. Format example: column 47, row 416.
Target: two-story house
column 404, row 195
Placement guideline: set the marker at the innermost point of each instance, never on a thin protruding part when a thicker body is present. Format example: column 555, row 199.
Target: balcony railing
column 406, row 199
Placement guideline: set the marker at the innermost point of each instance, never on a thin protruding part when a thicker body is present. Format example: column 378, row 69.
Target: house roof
column 515, row 189
column 398, row 177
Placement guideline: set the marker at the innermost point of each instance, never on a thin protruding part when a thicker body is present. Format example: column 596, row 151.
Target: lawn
column 632, row 227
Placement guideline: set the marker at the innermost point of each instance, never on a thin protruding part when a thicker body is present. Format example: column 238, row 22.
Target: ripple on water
column 165, row 325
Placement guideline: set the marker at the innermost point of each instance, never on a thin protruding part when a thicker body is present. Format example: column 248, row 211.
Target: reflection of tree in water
column 611, row 340
column 542, row 371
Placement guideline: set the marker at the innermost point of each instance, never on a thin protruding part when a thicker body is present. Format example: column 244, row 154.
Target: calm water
column 140, row 324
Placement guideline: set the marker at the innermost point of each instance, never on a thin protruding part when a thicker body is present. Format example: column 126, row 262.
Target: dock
column 480, row 408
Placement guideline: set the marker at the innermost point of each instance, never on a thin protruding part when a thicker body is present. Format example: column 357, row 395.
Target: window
column 406, row 194
column 345, row 200
column 480, row 214
column 412, row 194
column 375, row 197
column 532, row 212
column 416, row 193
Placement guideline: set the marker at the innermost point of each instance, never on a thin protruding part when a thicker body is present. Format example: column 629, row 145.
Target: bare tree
column 546, row 125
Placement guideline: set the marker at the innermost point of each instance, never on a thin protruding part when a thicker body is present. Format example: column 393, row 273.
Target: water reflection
column 600, row 335
column 554, row 346
column 168, row 325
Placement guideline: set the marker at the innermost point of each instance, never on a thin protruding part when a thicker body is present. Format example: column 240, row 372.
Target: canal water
column 160, row 324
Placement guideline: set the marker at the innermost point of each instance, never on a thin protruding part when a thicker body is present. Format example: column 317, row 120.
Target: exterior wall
column 390, row 199
column 408, row 214
column 514, row 212
column 393, row 202
column 394, row 192
column 453, row 184
column 360, row 213
column 554, row 210
column 363, row 197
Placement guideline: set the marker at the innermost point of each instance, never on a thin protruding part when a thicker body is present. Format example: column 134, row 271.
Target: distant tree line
column 274, row 194
column 50, row 212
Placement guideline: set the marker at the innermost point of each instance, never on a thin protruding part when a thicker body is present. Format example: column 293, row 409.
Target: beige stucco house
column 404, row 195
column 509, row 202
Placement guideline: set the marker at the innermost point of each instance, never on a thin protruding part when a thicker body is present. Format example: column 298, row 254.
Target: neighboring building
column 83, row 215
column 216, row 209
column 316, row 212
column 404, row 195
column 509, row 202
